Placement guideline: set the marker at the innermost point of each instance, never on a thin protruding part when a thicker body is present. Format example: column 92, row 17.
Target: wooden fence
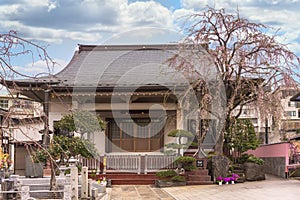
column 132, row 163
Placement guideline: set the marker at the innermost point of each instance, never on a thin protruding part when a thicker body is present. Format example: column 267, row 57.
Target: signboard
column 199, row 163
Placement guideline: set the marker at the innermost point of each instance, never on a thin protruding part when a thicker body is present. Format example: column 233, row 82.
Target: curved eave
column 296, row 97
column 15, row 84
column 33, row 90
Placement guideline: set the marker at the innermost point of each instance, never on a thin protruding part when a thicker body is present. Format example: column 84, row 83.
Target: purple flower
column 220, row 178
column 227, row 179
column 234, row 177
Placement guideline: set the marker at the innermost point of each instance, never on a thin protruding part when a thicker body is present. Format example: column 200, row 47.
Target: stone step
column 132, row 181
column 199, row 182
column 240, row 171
column 43, row 181
column 237, row 167
column 128, row 178
column 198, row 178
column 198, row 172
column 242, row 179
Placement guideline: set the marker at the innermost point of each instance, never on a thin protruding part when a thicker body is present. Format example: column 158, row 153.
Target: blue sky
column 62, row 24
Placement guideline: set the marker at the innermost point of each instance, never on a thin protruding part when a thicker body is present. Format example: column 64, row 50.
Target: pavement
column 272, row 188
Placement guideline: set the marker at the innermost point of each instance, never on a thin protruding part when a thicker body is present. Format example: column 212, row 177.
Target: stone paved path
column 136, row 192
column 271, row 189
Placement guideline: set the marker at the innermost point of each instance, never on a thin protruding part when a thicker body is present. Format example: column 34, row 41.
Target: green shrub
column 244, row 158
column 185, row 160
column 178, row 178
column 189, row 167
column 180, row 133
column 194, row 144
column 250, row 158
column 170, row 152
column 166, row 174
column 255, row 160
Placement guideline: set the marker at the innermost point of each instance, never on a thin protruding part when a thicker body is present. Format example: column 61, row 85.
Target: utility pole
column 266, row 131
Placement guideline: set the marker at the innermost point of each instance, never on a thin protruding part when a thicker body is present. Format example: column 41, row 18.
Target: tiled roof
column 118, row 65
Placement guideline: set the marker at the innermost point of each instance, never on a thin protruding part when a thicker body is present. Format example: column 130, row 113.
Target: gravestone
column 33, row 169
column 74, row 183
column 218, row 165
column 84, row 183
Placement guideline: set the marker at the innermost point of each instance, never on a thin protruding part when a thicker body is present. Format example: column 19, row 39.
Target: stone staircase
column 198, row 177
column 129, row 178
column 239, row 170
column 194, row 177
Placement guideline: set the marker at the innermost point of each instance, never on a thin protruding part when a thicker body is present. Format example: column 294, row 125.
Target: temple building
column 133, row 89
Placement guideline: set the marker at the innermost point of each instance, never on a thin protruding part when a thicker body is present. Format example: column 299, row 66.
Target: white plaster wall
column 58, row 108
column 171, row 124
column 98, row 138
column 27, row 132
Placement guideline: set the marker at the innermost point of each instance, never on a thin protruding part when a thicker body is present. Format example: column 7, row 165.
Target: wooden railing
column 124, row 163
column 130, row 163
column 157, row 162
column 93, row 164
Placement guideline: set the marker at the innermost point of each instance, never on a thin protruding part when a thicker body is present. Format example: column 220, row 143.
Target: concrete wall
column 276, row 157
column 275, row 166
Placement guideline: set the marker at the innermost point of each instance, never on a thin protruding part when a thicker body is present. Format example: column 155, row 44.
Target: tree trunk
column 220, row 148
column 178, row 150
column 53, row 184
column 219, row 144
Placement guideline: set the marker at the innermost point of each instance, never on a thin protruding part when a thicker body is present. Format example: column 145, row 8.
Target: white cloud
column 36, row 3
column 40, row 68
column 148, row 14
column 201, row 4
column 195, row 4
column 52, row 5
column 283, row 15
column 89, row 21
column 85, row 20
column 144, row 35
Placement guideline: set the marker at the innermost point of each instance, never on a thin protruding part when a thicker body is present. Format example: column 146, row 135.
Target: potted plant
column 227, row 180
column 5, row 164
column 220, row 180
column 234, row 178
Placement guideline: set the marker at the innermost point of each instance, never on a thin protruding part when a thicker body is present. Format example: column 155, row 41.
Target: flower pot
column 220, row 183
column 232, row 182
column 103, row 183
column 226, row 183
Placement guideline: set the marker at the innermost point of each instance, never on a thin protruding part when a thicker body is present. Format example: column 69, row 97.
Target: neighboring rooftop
column 296, row 97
